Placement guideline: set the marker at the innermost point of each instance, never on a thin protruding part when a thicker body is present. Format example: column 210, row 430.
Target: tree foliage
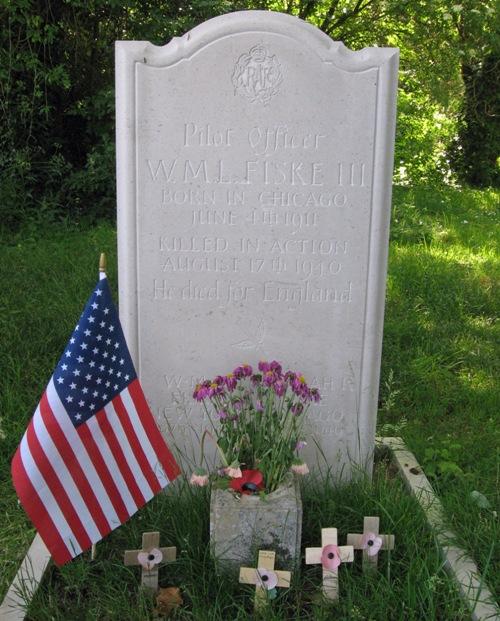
column 57, row 87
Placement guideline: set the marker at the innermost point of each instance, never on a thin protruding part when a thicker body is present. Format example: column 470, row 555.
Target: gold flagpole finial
column 102, row 263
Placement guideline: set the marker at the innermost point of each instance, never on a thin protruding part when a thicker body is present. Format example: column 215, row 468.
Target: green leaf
column 449, row 467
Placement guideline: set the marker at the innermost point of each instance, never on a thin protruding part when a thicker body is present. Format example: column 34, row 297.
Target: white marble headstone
column 254, row 160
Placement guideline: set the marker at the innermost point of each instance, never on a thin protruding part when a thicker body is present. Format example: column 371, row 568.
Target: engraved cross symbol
column 150, row 558
column 371, row 542
column 265, row 578
column 330, row 555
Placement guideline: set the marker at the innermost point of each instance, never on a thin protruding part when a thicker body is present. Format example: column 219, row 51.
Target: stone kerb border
column 457, row 563
column 459, row 566
column 26, row 582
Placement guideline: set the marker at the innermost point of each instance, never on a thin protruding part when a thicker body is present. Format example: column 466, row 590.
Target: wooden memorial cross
column 149, row 558
column 371, row 542
column 330, row 555
column 265, row 578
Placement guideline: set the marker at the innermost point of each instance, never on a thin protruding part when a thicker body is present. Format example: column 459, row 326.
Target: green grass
column 410, row 584
column 439, row 390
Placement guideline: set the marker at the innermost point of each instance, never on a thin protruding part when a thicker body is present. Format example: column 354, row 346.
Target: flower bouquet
column 257, row 424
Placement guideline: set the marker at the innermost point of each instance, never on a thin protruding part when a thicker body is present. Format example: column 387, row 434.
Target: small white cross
column 371, row 542
column 330, row 554
column 265, row 577
column 149, row 558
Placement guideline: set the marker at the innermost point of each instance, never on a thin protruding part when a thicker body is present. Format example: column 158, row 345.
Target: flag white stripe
column 47, row 499
column 142, row 436
column 134, row 465
column 82, row 455
column 64, row 476
column 109, row 460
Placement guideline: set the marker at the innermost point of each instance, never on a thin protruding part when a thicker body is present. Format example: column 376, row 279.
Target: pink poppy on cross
column 265, row 578
column 330, row 555
column 150, row 558
column 371, row 542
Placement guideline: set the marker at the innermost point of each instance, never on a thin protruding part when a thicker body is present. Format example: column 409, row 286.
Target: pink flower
column 259, row 406
column 300, row 468
column 263, row 366
column 199, row 480
column 232, row 472
column 300, row 445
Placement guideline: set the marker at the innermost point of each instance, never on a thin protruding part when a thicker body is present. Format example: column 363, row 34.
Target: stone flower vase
column 242, row 525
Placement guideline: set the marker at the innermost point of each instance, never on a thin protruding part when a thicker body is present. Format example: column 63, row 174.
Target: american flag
column 92, row 454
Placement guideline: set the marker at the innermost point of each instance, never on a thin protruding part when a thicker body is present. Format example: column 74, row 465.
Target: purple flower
column 238, row 372
column 298, row 383
column 300, row 387
column 276, row 367
column 259, row 406
column 231, row 381
column 201, row 391
column 238, row 405
column 269, row 378
column 264, row 366
column 215, row 389
column 247, row 370
column 297, row 408
column 222, row 414
column 315, row 396
column 300, row 445
column 279, row 388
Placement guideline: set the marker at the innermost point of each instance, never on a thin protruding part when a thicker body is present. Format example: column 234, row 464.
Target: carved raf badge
column 257, row 75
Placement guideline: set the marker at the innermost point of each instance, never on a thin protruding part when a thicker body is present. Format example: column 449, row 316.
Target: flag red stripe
column 135, row 445
column 162, row 451
column 120, row 458
column 103, row 472
column 73, row 466
column 57, row 489
column 35, row 508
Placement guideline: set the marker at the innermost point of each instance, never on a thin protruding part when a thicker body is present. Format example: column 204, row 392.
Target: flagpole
column 102, row 274
column 102, row 265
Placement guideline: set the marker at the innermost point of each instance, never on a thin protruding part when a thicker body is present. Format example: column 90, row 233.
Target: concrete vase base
column 240, row 526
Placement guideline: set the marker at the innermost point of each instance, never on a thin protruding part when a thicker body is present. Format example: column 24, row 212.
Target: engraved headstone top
column 254, row 161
